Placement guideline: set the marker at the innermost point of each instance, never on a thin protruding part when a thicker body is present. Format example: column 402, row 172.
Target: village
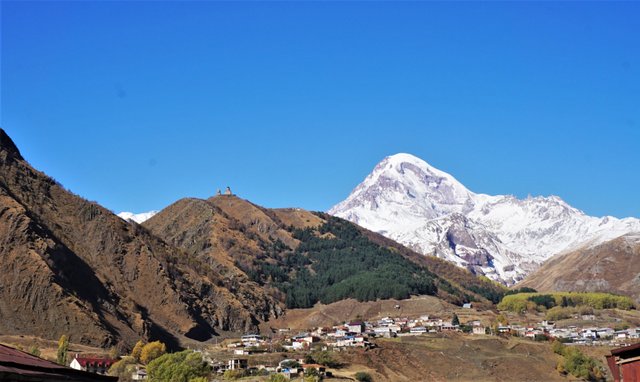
column 243, row 353
column 328, row 352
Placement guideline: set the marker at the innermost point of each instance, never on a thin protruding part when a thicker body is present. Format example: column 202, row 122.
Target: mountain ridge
column 611, row 266
column 500, row 236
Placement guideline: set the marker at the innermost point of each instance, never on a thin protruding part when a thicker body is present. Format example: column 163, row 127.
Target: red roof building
column 18, row 366
column 92, row 365
column 624, row 363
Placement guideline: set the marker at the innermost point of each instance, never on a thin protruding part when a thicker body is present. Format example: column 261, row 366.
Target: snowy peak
column 138, row 218
column 501, row 236
column 406, row 180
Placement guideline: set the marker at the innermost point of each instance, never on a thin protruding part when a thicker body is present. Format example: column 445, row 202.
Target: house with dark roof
column 624, row 363
column 18, row 366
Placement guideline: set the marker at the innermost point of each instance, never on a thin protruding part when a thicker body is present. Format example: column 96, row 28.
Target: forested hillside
column 303, row 258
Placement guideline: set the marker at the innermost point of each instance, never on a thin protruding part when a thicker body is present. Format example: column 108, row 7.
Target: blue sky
column 138, row 104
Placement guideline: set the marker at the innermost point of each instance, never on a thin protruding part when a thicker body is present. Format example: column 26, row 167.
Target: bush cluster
column 184, row 366
column 576, row 363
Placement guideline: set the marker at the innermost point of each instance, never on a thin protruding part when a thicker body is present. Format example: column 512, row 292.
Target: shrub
column 34, row 350
column 178, row 367
column 576, row 363
column 123, row 368
column 233, row 374
column 277, row 378
column 290, row 364
column 326, row 358
column 363, row 377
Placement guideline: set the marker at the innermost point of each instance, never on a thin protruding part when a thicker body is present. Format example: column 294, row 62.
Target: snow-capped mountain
column 138, row 218
column 502, row 237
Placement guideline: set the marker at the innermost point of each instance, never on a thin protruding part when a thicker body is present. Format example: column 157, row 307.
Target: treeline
column 336, row 261
column 541, row 301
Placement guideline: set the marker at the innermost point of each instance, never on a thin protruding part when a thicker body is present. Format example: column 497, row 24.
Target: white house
column 251, row 339
column 382, row 331
column 479, row 330
column 92, row 365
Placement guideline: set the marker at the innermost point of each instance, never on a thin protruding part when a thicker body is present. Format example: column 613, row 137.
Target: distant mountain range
column 138, row 218
column 501, row 237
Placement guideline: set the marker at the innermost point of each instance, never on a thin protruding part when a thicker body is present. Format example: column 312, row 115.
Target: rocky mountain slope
column 502, row 237
column 612, row 266
column 72, row 267
column 244, row 242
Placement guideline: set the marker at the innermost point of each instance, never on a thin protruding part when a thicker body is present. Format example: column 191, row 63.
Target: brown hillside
column 612, row 267
column 72, row 267
column 455, row 357
column 229, row 234
column 225, row 231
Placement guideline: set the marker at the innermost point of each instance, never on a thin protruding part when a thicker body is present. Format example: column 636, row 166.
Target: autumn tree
column 63, row 347
column 137, row 350
column 123, row 368
column 151, row 351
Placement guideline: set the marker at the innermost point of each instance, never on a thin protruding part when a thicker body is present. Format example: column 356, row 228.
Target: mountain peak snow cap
column 406, row 180
column 401, row 159
column 417, row 174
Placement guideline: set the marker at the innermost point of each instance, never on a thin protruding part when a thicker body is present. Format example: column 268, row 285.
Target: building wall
column 631, row 372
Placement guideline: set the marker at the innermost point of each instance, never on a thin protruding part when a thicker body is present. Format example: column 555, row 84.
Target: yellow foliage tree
column 151, row 351
column 63, row 346
column 137, row 350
